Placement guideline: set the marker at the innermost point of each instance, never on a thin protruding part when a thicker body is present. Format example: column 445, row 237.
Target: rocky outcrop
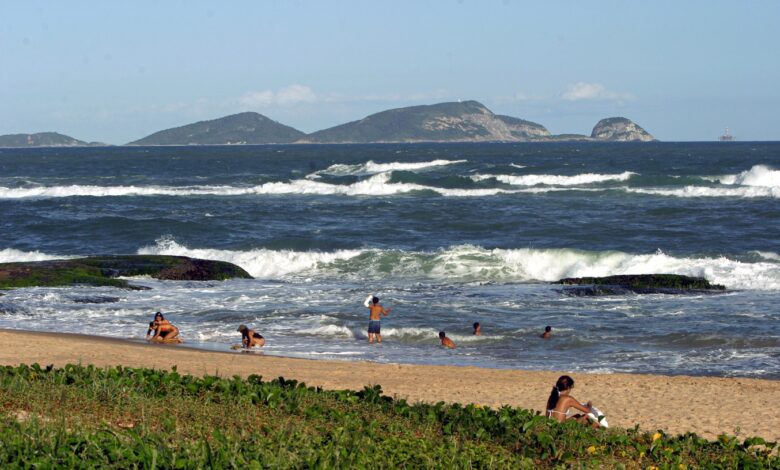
column 242, row 128
column 620, row 129
column 104, row 271
column 467, row 121
column 638, row 284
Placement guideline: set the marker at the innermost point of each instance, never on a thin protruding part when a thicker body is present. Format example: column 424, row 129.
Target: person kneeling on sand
column 163, row 332
column 446, row 342
column 250, row 338
column 560, row 401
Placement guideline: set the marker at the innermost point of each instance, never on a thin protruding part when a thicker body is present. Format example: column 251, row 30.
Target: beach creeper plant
column 86, row 417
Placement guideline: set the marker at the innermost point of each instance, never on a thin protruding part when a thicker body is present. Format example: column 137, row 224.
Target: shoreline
column 708, row 406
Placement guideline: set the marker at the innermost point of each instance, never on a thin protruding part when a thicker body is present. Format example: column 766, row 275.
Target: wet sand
column 707, row 406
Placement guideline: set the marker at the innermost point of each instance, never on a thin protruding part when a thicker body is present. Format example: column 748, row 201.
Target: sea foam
column 10, row 255
column 558, row 180
column 371, row 167
column 467, row 263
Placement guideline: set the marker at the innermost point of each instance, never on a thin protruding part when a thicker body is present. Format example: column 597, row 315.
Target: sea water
column 445, row 234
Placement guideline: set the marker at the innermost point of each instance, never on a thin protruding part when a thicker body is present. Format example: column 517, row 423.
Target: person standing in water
column 477, row 329
column 375, row 312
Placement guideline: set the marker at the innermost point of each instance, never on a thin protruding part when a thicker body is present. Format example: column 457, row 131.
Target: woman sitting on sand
column 560, row 401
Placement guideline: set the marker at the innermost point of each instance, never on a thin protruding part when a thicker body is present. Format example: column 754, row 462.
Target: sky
column 116, row 71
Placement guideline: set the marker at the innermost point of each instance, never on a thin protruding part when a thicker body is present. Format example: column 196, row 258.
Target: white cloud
column 592, row 91
column 287, row 96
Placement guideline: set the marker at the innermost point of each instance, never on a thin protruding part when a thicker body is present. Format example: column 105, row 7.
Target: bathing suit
column 550, row 412
column 257, row 335
column 373, row 327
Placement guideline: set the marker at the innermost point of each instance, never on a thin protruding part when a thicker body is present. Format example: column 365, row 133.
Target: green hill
column 43, row 139
column 243, row 128
column 467, row 121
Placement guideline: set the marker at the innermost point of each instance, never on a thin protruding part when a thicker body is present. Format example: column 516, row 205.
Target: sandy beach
column 706, row 405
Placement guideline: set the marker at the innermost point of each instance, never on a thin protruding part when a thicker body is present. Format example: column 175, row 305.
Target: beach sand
column 707, row 406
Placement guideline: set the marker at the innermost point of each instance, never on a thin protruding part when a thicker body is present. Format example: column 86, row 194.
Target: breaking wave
column 758, row 175
column 371, row 167
column 558, row 180
column 10, row 255
column 467, row 263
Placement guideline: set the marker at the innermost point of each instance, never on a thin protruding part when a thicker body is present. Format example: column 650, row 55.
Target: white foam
column 559, row 180
column 261, row 263
column 707, row 191
column 758, row 175
column 768, row 255
column 10, row 255
column 371, row 167
column 467, row 263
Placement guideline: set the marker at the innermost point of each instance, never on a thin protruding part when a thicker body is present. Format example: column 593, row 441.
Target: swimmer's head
column 375, row 300
column 476, row 325
column 441, row 335
column 547, row 329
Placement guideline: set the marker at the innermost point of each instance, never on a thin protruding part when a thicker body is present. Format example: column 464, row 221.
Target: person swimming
column 547, row 333
column 477, row 329
column 560, row 401
column 250, row 338
column 446, row 342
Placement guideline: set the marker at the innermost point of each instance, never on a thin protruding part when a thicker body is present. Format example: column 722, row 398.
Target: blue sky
column 116, row 71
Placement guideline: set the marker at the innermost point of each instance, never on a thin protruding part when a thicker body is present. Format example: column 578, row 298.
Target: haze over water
column 446, row 234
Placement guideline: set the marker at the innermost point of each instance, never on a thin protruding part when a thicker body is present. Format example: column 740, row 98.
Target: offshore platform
column 726, row 137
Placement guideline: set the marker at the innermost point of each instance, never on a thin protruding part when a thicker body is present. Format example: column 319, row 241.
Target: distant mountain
column 620, row 129
column 43, row 139
column 467, row 121
column 243, row 128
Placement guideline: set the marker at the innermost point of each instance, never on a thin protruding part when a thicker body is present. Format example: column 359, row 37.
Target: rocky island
column 242, row 128
column 462, row 121
column 44, row 139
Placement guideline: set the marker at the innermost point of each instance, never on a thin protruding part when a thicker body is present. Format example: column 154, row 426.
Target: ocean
column 445, row 234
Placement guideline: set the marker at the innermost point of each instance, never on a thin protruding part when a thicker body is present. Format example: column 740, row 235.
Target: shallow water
column 445, row 234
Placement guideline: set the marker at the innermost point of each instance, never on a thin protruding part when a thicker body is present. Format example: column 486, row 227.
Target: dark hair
column 564, row 383
column 476, row 324
column 151, row 324
column 160, row 314
column 547, row 328
column 375, row 300
column 442, row 335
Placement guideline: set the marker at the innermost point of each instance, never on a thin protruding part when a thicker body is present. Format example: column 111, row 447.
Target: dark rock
column 103, row 271
column 638, row 284
column 96, row 300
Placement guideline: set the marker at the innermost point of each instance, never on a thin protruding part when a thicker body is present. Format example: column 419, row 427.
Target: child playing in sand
column 250, row 338
column 560, row 401
column 446, row 342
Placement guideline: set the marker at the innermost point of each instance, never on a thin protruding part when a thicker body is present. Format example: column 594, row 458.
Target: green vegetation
column 42, row 139
column 85, row 417
column 242, row 128
column 103, row 271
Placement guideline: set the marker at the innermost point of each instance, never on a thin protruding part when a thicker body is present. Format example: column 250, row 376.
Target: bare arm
column 574, row 403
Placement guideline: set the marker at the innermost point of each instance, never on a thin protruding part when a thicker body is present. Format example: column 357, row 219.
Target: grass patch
column 86, row 417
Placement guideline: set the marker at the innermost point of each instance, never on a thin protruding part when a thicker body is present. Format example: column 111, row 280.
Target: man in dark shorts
column 375, row 311
column 250, row 338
